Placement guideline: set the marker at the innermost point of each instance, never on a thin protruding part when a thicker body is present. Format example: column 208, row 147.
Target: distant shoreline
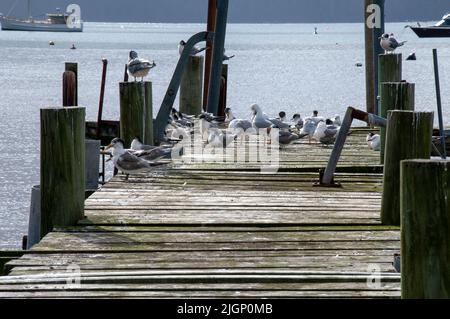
column 252, row 23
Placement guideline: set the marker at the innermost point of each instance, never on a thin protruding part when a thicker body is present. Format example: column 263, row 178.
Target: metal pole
column 377, row 50
column 209, row 46
column 439, row 103
column 351, row 114
column 218, row 47
column 29, row 10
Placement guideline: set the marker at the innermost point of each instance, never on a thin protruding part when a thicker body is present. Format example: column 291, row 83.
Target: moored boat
column 54, row 22
column 439, row 30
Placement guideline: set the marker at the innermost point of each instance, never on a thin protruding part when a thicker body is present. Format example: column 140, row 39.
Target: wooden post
column 425, row 233
column 408, row 136
column 210, row 27
column 223, row 91
column 370, row 84
column 62, row 167
column 136, row 112
column 378, row 30
column 73, row 66
column 394, row 96
column 69, row 88
column 373, row 29
column 191, row 90
column 389, row 70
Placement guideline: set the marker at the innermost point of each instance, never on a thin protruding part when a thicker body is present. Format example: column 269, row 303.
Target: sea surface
column 279, row 66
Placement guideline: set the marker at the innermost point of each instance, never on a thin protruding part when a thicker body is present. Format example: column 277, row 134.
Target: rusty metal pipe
column 351, row 114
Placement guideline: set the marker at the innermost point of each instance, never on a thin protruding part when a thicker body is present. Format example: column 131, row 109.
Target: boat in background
column 439, row 30
column 54, row 22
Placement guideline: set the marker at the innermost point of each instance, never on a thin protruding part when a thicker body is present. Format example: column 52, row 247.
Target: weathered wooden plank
column 204, row 294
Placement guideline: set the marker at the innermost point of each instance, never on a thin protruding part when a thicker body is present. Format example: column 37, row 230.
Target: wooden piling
column 136, row 112
column 408, row 136
column 191, row 88
column 425, row 232
column 62, row 167
column 69, row 88
column 73, row 66
column 394, row 96
column 370, row 84
column 223, row 91
column 390, row 70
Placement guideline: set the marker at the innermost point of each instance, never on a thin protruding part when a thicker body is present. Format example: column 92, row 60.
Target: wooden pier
column 225, row 230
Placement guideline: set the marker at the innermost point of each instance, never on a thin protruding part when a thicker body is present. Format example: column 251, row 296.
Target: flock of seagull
column 140, row 157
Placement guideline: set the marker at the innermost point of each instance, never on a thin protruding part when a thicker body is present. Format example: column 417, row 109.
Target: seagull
column 156, row 153
column 373, row 141
column 217, row 138
column 138, row 148
column 227, row 57
column 260, row 120
column 286, row 137
column 138, row 67
column 336, row 120
column 137, row 145
column 326, row 132
column 178, row 132
column 229, row 116
column 282, row 116
column 315, row 118
column 308, row 129
column 277, row 123
column 195, row 50
column 127, row 162
column 389, row 43
column 239, row 125
column 297, row 121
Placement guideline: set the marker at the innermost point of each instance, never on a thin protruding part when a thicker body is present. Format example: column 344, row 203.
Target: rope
column 12, row 8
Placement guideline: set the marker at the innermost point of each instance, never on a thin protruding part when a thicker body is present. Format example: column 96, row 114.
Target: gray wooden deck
column 224, row 230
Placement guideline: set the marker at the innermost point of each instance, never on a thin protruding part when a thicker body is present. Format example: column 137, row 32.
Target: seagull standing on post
column 138, row 67
column 389, row 43
column 195, row 50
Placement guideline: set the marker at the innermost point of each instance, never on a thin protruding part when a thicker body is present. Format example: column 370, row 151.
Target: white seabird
column 308, row 129
column 389, row 43
column 326, row 132
column 229, row 116
column 138, row 67
column 127, row 162
column 195, row 50
column 217, row 138
column 336, row 120
column 239, row 125
column 260, row 120
column 297, row 121
column 137, row 145
column 227, row 57
column 373, row 141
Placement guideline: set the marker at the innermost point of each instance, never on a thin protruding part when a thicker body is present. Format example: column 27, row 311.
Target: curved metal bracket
column 350, row 115
column 171, row 93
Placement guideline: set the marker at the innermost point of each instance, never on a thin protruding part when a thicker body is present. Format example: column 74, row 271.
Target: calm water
column 278, row 66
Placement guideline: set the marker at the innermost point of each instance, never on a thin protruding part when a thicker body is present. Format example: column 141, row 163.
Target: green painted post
column 191, row 88
column 136, row 111
column 425, row 232
column 408, row 136
column 394, row 96
column 62, row 167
